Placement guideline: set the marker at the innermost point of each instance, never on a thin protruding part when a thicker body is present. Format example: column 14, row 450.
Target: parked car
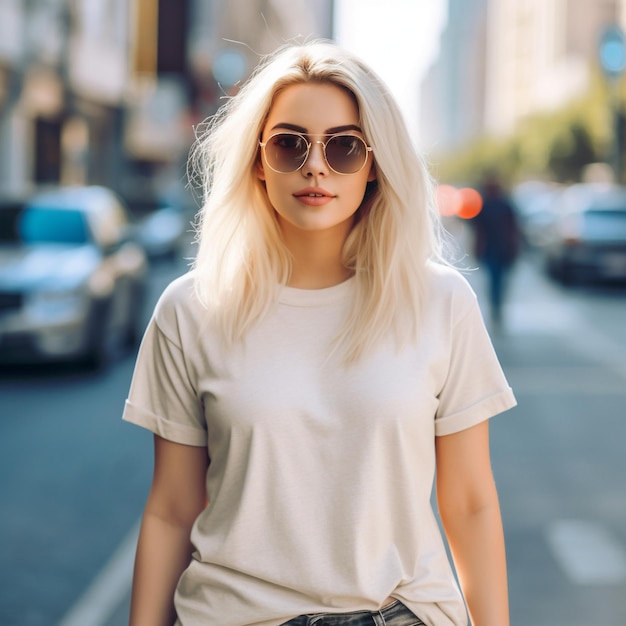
column 162, row 233
column 587, row 241
column 161, row 226
column 71, row 281
column 536, row 203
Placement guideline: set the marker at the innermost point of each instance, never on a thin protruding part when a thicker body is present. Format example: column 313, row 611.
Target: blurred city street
column 74, row 477
column 558, row 457
column 529, row 93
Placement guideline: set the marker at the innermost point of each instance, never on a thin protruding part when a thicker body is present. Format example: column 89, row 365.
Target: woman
column 307, row 377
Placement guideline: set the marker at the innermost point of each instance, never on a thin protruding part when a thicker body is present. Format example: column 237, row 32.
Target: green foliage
column 556, row 144
column 570, row 152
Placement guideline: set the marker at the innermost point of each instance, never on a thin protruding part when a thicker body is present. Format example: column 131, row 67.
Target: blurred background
column 519, row 108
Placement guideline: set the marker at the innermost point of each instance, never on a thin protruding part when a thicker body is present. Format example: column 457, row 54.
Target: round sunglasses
column 288, row 152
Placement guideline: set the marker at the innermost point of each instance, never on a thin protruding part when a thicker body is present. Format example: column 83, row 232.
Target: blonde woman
column 305, row 380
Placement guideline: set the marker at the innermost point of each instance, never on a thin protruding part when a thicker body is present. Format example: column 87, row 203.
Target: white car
column 587, row 242
column 72, row 282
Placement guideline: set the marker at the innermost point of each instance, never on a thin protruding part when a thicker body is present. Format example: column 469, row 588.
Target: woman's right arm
column 177, row 496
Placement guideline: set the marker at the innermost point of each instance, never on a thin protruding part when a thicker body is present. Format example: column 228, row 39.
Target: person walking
column 497, row 243
column 310, row 375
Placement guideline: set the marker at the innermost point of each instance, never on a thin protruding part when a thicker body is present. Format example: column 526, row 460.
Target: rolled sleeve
column 475, row 388
column 162, row 398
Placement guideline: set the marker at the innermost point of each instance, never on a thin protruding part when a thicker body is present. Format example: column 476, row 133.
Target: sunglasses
column 288, row 152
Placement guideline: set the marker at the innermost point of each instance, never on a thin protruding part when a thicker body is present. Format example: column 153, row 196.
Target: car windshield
column 32, row 224
column 605, row 225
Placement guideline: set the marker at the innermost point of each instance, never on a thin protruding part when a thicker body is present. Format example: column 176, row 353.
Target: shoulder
column 447, row 282
column 178, row 306
column 448, row 296
column 178, row 293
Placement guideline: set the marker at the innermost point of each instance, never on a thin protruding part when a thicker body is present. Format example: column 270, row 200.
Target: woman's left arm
column 470, row 513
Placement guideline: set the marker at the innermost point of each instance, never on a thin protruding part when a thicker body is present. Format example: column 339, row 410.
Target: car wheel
column 560, row 272
column 133, row 331
column 567, row 276
column 552, row 268
column 98, row 350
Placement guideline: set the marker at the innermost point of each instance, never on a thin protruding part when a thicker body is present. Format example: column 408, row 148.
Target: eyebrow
column 329, row 131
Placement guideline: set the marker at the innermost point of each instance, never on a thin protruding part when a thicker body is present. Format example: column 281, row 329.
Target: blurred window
column 9, row 214
column 47, row 151
column 38, row 225
column 172, row 34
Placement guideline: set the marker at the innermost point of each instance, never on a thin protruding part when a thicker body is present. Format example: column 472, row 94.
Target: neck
column 316, row 259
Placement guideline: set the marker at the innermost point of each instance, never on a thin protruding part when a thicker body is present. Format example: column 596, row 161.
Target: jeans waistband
column 394, row 614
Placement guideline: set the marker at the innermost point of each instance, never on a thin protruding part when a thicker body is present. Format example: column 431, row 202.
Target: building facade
column 453, row 94
column 108, row 91
column 503, row 60
column 63, row 69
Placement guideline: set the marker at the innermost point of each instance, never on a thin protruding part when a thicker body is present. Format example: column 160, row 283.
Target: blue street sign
column 229, row 67
column 613, row 51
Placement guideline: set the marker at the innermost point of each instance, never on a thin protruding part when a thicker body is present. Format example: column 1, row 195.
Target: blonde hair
column 241, row 258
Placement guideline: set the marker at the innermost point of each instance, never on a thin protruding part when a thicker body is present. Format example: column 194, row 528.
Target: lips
column 313, row 192
column 313, row 196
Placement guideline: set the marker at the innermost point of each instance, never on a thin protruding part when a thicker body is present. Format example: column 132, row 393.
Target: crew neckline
column 296, row 296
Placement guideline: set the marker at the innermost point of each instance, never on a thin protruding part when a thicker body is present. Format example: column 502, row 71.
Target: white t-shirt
column 320, row 479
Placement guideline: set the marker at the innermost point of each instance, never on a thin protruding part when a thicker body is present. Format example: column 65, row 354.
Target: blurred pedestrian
column 311, row 372
column 497, row 243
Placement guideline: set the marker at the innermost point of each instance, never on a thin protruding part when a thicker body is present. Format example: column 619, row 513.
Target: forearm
column 163, row 552
column 476, row 542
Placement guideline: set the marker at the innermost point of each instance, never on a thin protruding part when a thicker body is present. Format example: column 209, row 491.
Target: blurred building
column 502, row 60
column 108, row 91
column 63, row 71
column 452, row 105
column 227, row 38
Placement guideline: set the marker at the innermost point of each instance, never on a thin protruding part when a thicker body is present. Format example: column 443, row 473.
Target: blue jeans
column 395, row 614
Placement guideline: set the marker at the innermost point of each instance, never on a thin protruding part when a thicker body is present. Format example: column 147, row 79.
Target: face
column 314, row 198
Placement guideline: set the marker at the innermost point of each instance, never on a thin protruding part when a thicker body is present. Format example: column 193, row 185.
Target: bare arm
column 470, row 514
column 176, row 498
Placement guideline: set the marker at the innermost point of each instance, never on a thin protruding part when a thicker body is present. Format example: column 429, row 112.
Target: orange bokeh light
column 471, row 203
column 465, row 202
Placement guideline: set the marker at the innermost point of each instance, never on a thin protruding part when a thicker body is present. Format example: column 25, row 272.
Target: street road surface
column 74, row 478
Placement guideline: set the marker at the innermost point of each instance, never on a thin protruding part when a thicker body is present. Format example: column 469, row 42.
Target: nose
column 315, row 164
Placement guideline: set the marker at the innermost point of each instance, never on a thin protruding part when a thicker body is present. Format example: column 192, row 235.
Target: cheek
column 274, row 188
column 359, row 187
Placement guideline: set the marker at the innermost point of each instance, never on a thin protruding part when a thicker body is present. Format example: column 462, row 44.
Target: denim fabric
column 395, row 614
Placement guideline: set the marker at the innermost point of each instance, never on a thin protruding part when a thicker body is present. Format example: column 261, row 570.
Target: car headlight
column 57, row 305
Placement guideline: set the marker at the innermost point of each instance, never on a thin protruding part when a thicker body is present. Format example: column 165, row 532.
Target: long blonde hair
column 241, row 257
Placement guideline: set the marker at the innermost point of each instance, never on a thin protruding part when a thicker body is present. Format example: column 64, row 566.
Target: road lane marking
column 108, row 589
column 587, row 552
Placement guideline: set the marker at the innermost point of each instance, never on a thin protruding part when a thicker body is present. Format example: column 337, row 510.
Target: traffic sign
column 613, row 51
column 229, row 67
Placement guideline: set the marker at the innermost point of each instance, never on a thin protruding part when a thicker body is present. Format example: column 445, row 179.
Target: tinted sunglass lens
column 286, row 152
column 346, row 153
